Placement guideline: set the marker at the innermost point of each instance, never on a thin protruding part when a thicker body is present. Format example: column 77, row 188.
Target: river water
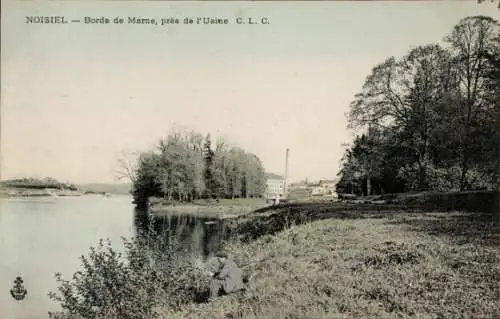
column 39, row 237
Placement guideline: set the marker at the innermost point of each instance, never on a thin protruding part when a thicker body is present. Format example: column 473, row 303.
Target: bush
column 445, row 179
column 151, row 274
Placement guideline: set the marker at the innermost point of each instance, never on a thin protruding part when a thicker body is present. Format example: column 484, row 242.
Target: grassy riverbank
column 330, row 260
column 208, row 208
column 367, row 264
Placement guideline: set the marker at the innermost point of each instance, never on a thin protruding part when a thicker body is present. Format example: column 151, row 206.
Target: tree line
column 185, row 166
column 38, row 183
column 429, row 120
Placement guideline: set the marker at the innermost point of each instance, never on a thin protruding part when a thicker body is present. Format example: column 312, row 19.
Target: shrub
column 151, row 274
column 445, row 179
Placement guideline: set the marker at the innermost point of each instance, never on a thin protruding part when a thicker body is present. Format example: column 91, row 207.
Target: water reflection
column 196, row 234
column 42, row 236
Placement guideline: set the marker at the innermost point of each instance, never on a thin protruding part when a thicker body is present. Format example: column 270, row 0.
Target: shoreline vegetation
column 32, row 187
column 50, row 187
column 224, row 208
column 187, row 166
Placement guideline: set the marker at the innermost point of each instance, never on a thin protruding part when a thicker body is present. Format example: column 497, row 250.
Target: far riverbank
column 49, row 187
column 22, row 192
column 220, row 208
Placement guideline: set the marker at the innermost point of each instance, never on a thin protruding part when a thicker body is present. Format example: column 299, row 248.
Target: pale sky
column 75, row 95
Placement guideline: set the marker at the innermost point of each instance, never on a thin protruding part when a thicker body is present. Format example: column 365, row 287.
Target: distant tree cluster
column 430, row 120
column 37, row 183
column 186, row 166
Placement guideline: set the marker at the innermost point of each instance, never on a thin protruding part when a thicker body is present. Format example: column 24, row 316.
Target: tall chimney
column 286, row 174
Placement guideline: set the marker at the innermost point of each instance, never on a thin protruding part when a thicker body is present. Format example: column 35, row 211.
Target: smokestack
column 286, row 173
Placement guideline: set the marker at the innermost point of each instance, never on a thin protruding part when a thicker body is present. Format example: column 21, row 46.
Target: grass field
column 366, row 265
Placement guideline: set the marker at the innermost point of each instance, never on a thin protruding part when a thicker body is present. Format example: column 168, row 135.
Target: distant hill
column 117, row 189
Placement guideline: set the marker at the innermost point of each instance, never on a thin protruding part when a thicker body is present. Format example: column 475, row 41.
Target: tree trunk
column 497, row 208
column 465, row 149
column 422, row 177
column 465, row 169
column 368, row 185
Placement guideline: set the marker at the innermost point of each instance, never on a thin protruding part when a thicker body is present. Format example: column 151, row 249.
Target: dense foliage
column 430, row 119
column 185, row 166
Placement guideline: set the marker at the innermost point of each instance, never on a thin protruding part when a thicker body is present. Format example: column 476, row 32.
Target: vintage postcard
column 249, row 159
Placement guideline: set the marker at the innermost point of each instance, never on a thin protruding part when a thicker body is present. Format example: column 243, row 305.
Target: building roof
column 273, row 176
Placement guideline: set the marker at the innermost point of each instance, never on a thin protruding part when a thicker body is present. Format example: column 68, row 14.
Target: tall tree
column 209, row 167
column 493, row 97
column 468, row 41
column 403, row 94
column 437, row 111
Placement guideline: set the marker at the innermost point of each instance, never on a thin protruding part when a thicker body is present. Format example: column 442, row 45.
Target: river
column 39, row 237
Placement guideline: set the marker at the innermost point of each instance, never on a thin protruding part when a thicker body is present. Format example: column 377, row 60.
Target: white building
column 275, row 185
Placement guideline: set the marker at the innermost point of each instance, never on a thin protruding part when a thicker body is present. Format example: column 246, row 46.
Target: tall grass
column 399, row 266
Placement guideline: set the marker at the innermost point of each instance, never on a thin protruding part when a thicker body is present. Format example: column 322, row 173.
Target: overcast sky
column 74, row 96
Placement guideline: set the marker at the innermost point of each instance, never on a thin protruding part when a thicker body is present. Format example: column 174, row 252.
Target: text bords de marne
column 145, row 21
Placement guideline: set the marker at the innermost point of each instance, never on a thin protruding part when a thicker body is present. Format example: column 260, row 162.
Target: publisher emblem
column 18, row 292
